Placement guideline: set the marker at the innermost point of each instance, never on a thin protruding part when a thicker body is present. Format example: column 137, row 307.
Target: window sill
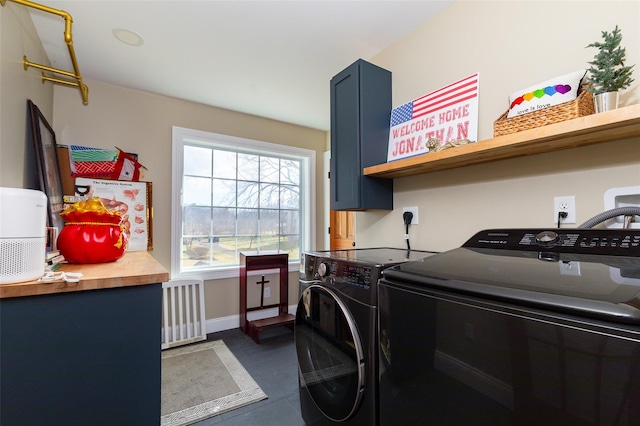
column 227, row 272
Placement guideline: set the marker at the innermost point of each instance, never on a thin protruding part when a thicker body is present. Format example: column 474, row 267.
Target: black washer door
column 330, row 356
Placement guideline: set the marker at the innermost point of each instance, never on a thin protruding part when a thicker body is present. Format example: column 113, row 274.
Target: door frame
column 326, row 195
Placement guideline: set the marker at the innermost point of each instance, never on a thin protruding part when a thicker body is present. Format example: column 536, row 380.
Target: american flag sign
column 447, row 114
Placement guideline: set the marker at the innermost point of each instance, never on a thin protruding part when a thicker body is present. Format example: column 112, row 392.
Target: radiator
column 183, row 314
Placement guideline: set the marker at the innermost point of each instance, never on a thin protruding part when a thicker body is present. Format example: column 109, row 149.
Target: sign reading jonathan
column 447, row 114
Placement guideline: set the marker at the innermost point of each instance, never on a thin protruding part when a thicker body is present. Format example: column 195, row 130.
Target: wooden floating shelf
column 596, row 128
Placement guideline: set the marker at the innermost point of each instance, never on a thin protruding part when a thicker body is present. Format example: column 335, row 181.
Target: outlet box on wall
column 414, row 211
column 628, row 196
column 565, row 204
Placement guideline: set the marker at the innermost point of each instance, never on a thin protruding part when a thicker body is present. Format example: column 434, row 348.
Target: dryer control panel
column 355, row 272
column 607, row 242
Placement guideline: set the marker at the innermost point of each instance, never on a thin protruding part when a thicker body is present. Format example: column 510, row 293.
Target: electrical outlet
column 267, row 292
column 414, row 210
column 564, row 204
column 569, row 268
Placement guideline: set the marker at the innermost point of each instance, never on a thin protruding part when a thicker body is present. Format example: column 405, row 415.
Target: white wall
column 512, row 45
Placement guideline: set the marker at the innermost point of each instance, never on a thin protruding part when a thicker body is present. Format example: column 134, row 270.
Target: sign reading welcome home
column 447, row 114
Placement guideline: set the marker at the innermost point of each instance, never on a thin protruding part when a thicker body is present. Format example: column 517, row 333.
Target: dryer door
column 330, row 356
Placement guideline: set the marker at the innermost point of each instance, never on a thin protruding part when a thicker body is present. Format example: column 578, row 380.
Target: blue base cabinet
column 82, row 358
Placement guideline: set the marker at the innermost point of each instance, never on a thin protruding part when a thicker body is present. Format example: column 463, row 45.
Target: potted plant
column 608, row 74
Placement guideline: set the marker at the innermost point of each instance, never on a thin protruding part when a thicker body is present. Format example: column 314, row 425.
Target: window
column 232, row 194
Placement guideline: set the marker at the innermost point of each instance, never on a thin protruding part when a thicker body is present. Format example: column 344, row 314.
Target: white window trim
column 309, row 200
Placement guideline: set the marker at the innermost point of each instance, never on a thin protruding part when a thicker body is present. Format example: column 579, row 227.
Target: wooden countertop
column 134, row 268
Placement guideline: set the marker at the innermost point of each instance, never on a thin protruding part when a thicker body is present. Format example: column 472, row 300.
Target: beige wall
column 132, row 120
column 18, row 38
column 504, row 41
column 512, row 45
column 141, row 122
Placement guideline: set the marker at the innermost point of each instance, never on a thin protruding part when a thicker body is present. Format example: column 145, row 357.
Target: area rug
column 201, row 381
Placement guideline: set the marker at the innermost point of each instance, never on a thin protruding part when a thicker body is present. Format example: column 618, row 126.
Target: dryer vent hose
column 620, row 211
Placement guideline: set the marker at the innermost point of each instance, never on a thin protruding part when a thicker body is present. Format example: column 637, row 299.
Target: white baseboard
column 233, row 321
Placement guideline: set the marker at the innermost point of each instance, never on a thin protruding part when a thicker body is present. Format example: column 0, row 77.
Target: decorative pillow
column 546, row 94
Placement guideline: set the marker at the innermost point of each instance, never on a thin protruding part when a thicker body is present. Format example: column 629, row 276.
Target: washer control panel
column 333, row 271
column 613, row 242
column 336, row 271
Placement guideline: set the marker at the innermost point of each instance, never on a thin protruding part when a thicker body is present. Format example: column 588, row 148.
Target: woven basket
column 579, row 107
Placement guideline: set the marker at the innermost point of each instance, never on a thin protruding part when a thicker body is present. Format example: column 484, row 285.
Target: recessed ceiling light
column 129, row 37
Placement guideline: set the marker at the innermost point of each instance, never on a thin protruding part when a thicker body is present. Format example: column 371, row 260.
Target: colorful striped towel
column 92, row 162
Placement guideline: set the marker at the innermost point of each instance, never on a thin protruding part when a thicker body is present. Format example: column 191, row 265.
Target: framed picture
column 134, row 202
column 44, row 142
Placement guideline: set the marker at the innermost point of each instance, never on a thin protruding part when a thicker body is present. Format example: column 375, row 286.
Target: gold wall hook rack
column 76, row 77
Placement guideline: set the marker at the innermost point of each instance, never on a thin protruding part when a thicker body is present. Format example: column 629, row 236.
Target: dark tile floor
column 273, row 365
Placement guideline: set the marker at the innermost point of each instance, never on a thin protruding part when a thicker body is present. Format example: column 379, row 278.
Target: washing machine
column 516, row 327
column 336, row 333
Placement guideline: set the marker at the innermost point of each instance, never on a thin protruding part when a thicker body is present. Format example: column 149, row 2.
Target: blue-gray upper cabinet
column 360, row 112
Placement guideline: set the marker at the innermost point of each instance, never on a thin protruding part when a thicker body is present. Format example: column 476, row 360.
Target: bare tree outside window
column 238, row 201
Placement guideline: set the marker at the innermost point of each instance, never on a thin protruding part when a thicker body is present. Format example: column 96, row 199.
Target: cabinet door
column 360, row 112
column 82, row 357
column 345, row 153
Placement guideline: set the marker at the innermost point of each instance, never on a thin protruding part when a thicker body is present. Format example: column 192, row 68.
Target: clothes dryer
column 336, row 333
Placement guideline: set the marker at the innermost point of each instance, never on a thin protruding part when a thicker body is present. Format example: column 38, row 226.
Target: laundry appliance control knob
column 322, row 269
column 546, row 238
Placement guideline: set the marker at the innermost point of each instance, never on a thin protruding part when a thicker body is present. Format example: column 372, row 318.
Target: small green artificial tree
column 608, row 72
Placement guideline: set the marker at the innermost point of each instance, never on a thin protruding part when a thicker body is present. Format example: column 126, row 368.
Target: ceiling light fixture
column 129, row 37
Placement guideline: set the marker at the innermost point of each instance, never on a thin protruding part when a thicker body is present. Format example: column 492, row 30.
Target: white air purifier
column 23, row 234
